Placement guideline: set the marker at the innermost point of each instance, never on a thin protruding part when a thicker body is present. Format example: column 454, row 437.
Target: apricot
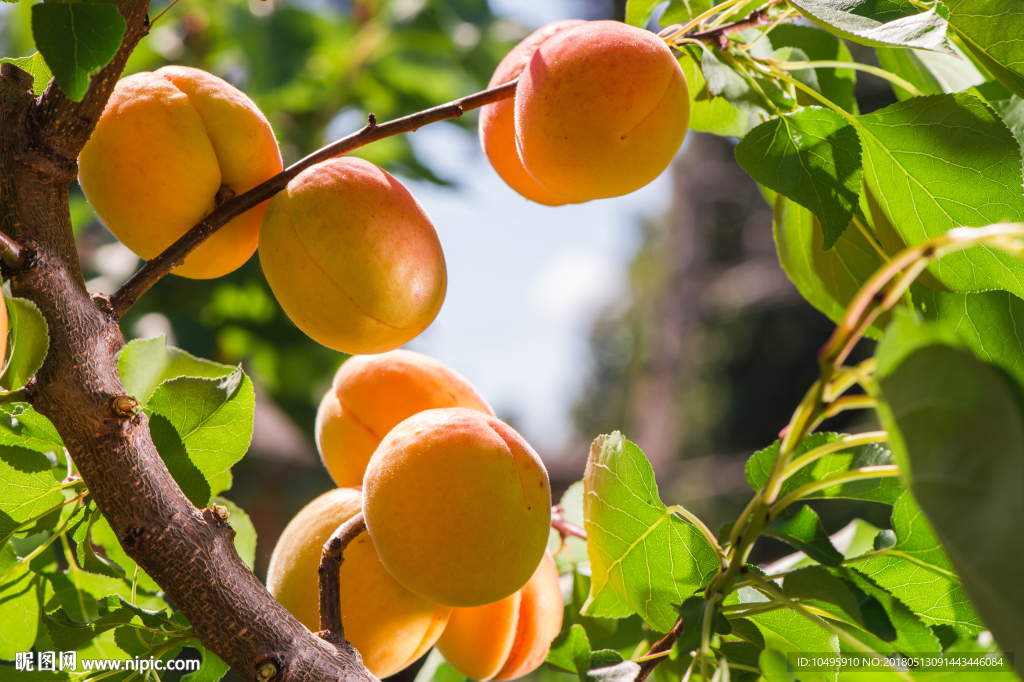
column 371, row 394
column 600, row 110
column 352, row 257
column 458, row 506
column 168, row 147
column 497, row 124
column 511, row 637
column 389, row 626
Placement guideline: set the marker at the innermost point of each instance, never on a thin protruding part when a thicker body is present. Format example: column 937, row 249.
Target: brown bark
column 188, row 552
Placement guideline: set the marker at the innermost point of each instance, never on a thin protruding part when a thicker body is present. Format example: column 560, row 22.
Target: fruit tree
column 903, row 225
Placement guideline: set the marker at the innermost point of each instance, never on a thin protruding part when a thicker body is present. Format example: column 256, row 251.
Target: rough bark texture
column 189, row 552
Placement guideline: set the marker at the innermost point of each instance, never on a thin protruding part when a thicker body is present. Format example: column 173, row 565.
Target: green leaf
column 917, row 572
column 828, row 280
column 77, row 39
column 28, row 486
column 643, row 557
column 638, row 12
column 570, row 651
column 793, row 632
column 113, row 611
column 722, row 80
column 1011, row 110
column 36, row 67
column 245, row 532
column 29, row 342
column 681, row 11
column 932, row 73
column 804, row 531
column 811, row 156
column 213, row 668
column 743, row 654
column 691, row 612
column 775, row 667
column 836, row 84
column 103, row 535
column 575, row 554
column 144, row 364
column 88, row 559
column 894, row 23
column 993, row 30
column 962, row 432
column 20, row 598
column 745, row 629
column 201, row 427
column 877, row 489
column 709, row 114
column 906, row 334
column 816, row 583
column 939, row 162
column 912, row 635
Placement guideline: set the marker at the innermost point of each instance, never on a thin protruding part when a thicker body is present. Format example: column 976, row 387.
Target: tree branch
column 189, row 552
column 150, row 273
column 660, row 647
column 331, row 559
column 719, row 37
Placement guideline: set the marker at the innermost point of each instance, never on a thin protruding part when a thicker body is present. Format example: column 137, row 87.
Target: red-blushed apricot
column 352, row 257
column 167, row 144
column 600, row 110
column 497, row 124
column 458, row 506
column 389, row 626
column 511, row 637
column 371, row 394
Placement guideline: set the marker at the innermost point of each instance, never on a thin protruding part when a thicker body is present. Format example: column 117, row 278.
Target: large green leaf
column 643, row 557
column 710, row 114
column 993, row 30
column 146, row 363
column 213, row 668
column 961, row 425
column 638, row 12
column 828, row 280
column 29, row 342
column 794, row 632
column 201, row 427
column 877, row 489
column 751, row 93
column 939, row 162
column 880, row 24
column 917, row 572
column 29, row 483
column 836, row 84
column 35, row 66
column 811, row 156
column 912, row 635
column 77, row 39
column 840, row 596
column 20, row 597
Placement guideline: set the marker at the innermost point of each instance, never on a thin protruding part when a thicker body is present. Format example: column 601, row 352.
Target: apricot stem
column 154, row 270
column 565, row 528
column 330, row 582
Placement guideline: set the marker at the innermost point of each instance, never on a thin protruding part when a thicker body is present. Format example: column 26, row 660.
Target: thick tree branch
column 150, row 273
column 12, row 253
column 189, row 552
column 331, row 559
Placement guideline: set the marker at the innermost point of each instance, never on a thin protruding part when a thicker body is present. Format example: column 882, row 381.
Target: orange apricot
column 371, row 394
column 497, row 124
column 458, row 506
column 511, row 637
column 170, row 145
column 389, row 626
column 600, row 110
column 352, row 257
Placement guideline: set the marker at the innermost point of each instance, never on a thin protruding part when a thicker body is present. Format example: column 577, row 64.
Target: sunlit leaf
column 77, row 39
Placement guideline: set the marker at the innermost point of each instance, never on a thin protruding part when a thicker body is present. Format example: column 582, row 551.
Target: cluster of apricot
column 457, row 509
column 600, row 110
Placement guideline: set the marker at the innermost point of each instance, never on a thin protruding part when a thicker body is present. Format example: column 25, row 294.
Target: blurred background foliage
column 701, row 363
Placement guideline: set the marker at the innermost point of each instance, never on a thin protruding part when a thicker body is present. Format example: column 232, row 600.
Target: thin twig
column 152, row 271
column 331, row 559
column 662, row 645
column 12, row 253
column 565, row 528
column 719, row 37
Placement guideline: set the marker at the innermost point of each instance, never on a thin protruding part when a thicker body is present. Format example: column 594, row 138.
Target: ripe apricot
column 511, row 637
column 168, row 147
column 600, row 110
column 352, row 257
column 389, row 626
column 458, row 506
column 497, row 124
column 371, row 394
